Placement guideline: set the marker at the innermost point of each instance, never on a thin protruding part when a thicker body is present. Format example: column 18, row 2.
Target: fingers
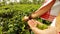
column 32, row 23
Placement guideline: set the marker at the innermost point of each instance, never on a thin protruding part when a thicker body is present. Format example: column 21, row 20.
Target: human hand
column 50, row 30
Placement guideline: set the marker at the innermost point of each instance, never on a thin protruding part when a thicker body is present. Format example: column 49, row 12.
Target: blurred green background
column 11, row 15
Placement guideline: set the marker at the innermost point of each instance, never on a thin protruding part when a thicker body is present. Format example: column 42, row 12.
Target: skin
column 44, row 8
column 50, row 30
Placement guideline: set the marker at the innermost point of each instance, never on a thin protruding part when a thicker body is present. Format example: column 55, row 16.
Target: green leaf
column 1, row 32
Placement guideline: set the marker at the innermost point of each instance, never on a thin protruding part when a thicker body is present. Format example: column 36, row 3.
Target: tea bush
column 11, row 18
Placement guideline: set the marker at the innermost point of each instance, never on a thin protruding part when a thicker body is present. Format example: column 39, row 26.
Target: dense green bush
column 11, row 18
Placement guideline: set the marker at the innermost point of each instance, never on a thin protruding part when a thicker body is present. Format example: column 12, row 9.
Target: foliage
column 11, row 18
column 0, row 29
column 23, row 1
column 42, row 27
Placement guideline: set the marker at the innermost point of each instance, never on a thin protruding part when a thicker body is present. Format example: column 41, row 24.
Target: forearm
column 44, row 8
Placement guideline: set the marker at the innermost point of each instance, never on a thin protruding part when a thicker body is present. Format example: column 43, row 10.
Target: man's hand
column 32, row 23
